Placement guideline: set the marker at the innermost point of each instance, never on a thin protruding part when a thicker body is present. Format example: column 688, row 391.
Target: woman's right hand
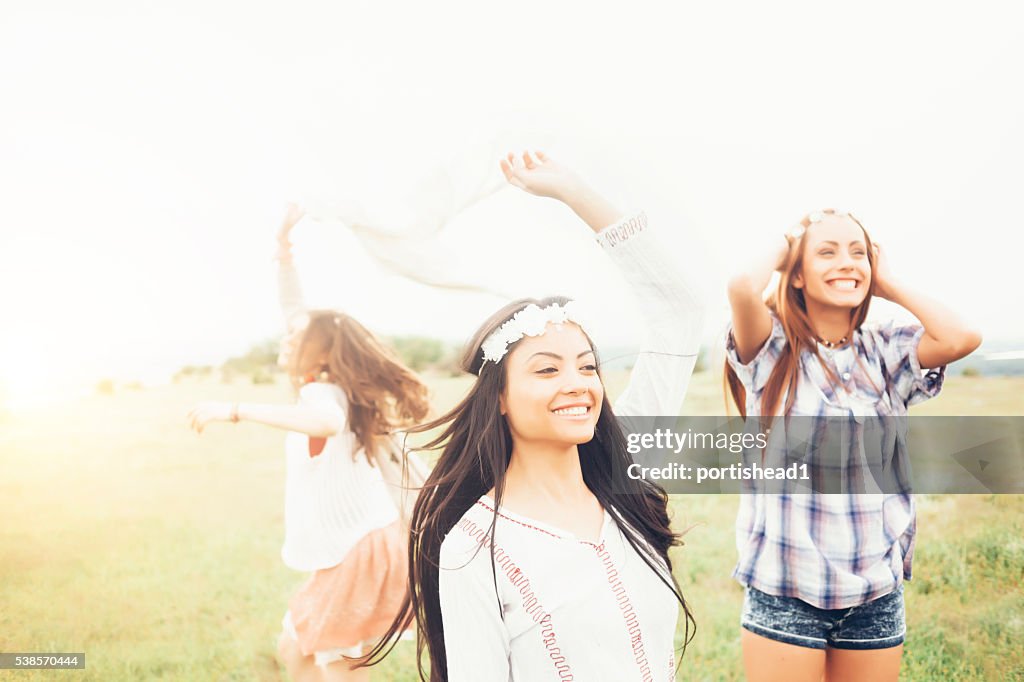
column 539, row 175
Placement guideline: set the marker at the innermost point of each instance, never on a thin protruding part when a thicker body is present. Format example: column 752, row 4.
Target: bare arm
column 946, row 338
column 751, row 321
column 311, row 420
column 289, row 287
column 547, row 178
column 669, row 305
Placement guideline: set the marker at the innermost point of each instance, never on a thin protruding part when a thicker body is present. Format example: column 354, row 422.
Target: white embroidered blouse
column 566, row 608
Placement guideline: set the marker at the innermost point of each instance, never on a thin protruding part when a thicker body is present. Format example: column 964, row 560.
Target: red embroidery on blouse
column 539, row 530
column 504, row 562
column 623, row 231
column 628, row 613
column 524, row 525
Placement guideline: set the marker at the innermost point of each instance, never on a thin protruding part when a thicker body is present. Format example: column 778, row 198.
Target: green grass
column 156, row 552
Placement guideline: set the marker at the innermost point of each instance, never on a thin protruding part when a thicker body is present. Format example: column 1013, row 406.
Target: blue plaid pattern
column 834, row 551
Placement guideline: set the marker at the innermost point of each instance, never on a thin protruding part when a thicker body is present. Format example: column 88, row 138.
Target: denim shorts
column 878, row 624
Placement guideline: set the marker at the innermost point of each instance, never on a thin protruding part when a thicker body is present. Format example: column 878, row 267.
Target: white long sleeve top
column 566, row 608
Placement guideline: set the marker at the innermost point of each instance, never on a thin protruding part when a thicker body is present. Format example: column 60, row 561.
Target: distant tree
column 259, row 363
column 449, row 364
column 971, row 372
column 189, row 371
column 261, row 357
column 105, row 387
column 262, row 377
column 419, row 352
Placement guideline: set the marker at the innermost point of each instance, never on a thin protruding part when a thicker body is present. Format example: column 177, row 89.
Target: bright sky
column 147, row 151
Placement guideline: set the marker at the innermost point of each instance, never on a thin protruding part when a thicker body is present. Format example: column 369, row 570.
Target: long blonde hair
column 788, row 304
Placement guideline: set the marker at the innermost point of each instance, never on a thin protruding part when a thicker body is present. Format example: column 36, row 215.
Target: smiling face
column 835, row 269
column 553, row 392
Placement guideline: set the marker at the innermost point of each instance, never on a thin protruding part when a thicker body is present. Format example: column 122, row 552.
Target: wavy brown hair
column 788, row 304
column 383, row 394
column 476, row 446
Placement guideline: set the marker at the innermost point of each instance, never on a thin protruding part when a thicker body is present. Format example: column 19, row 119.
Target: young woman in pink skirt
column 341, row 521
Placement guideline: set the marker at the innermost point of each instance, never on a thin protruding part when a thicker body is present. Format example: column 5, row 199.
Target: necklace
column 833, row 344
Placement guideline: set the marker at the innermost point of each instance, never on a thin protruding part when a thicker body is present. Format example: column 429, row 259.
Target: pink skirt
column 344, row 607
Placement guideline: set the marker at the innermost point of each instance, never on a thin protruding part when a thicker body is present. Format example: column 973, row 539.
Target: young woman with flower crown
column 341, row 521
column 531, row 557
column 824, row 573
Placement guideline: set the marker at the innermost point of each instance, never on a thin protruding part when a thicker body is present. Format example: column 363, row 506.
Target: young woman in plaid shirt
column 824, row 573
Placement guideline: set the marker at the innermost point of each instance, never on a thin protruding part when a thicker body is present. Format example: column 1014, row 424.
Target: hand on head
column 782, row 253
column 885, row 285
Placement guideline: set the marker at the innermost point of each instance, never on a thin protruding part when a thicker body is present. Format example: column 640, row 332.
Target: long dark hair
column 477, row 445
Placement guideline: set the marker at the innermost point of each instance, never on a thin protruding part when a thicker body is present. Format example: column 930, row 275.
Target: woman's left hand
column 539, row 175
column 885, row 285
column 206, row 412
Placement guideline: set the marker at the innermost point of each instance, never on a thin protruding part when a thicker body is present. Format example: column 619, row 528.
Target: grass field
column 156, row 552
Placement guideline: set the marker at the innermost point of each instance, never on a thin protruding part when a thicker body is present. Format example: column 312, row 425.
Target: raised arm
column 673, row 317
column 751, row 321
column 545, row 177
column 670, row 306
column 946, row 338
column 289, row 287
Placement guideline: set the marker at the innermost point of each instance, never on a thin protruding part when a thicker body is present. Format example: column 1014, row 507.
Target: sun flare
column 27, row 380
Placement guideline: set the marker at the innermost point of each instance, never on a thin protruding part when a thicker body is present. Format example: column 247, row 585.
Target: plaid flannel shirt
column 834, row 550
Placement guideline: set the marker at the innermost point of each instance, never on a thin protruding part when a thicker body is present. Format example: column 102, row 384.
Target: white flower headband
column 798, row 230
column 530, row 321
